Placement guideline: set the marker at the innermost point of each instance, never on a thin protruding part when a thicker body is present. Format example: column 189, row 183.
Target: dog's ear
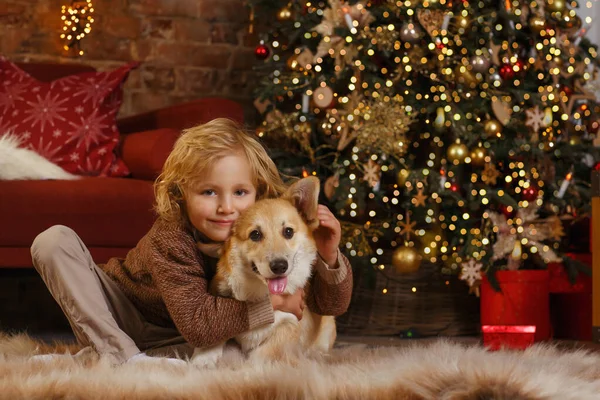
column 304, row 195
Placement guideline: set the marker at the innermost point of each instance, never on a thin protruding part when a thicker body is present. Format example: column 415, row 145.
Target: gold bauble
column 537, row 24
column 492, row 128
column 464, row 76
column 570, row 23
column 293, row 63
column 406, row 260
column 284, row 14
column 402, row 176
column 260, row 131
column 457, row 152
column 462, row 22
column 574, row 140
column 556, row 5
column 478, row 155
column 428, row 241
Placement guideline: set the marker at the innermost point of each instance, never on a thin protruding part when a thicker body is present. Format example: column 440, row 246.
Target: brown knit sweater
column 166, row 277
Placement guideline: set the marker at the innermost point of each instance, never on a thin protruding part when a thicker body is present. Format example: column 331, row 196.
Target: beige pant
column 100, row 315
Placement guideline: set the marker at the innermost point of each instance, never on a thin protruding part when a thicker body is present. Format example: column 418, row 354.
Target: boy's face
column 220, row 194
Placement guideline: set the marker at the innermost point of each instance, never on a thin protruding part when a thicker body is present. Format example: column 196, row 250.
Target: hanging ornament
column 555, row 6
column 410, row 32
column 293, row 63
column 480, row 64
column 331, row 185
column 462, row 23
column 507, row 72
column 457, row 152
column 372, row 173
column 406, row 260
column 262, row 51
column 534, row 118
column 492, row 128
column 508, row 211
column 530, row 193
column 537, row 24
column 490, row 174
column 502, row 111
column 323, row 97
column 478, row 155
column 402, row 176
column 471, row 273
column 284, row 14
column 465, row 77
column 440, row 119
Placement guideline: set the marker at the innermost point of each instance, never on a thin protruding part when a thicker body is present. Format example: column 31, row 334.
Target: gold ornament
column 440, row 119
column 537, row 24
column 457, row 152
column 478, row 155
column 570, row 23
column 260, row 131
column 419, row 199
column 284, row 14
column 406, row 260
column 429, row 244
column 462, row 23
column 294, row 64
column 492, row 128
column 402, row 176
column 465, row 76
column 490, row 174
column 556, row 6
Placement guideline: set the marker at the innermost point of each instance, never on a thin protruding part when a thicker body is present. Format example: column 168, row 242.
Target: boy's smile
column 221, row 193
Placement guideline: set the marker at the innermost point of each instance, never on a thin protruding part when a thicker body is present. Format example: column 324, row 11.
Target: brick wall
column 188, row 48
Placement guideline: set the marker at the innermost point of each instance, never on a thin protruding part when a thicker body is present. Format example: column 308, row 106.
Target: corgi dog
column 271, row 250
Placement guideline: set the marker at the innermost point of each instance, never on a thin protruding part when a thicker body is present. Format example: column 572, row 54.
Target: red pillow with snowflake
column 71, row 121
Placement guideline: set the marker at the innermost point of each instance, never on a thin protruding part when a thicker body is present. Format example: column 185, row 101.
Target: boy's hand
column 291, row 303
column 327, row 235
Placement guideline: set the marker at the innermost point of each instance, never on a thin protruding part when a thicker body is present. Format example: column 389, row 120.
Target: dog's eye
column 255, row 235
column 288, row 233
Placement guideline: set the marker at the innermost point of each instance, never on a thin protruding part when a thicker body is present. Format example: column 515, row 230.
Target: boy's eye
column 256, row 235
column 288, row 233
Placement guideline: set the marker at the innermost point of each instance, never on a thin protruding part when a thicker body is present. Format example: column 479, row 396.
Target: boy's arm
column 330, row 288
column 202, row 319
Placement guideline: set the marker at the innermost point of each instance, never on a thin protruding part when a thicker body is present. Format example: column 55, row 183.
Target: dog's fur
column 423, row 369
column 247, row 268
column 17, row 163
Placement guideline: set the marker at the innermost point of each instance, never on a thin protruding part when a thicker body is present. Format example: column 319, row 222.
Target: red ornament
column 507, row 212
column 262, row 51
column 440, row 45
column 567, row 90
column 597, row 166
column 454, row 187
column 530, row 194
column 507, row 72
column 520, row 65
column 592, row 126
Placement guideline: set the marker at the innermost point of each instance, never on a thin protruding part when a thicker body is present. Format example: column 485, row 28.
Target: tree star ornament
column 419, row 199
column 407, row 226
column 490, row 174
column 372, row 173
column 535, row 118
column 471, row 273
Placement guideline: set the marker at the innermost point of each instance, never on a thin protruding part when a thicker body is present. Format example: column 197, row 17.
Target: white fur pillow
column 17, row 163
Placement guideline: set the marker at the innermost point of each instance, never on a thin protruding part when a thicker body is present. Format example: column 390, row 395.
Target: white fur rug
column 17, row 163
column 441, row 370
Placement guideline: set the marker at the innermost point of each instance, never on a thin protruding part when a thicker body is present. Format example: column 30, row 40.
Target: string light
column 77, row 23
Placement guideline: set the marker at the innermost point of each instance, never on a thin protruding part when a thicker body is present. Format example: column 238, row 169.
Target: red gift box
column 496, row 337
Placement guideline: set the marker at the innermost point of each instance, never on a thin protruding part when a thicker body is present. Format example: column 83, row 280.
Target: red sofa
column 110, row 214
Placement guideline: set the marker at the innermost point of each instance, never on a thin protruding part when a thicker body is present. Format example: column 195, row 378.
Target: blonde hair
column 197, row 149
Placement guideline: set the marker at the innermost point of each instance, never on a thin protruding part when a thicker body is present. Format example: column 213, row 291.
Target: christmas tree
column 455, row 132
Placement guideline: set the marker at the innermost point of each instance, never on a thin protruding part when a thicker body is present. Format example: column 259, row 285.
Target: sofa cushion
column 105, row 212
column 71, row 121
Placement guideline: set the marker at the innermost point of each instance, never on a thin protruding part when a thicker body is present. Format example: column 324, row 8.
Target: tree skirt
column 439, row 370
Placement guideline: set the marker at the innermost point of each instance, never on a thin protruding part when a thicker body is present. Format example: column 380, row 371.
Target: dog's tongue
column 277, row 285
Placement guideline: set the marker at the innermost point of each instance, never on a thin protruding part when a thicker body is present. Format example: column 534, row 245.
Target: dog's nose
column 279, row 266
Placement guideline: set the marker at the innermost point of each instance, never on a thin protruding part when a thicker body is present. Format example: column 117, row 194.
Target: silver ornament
column 480, row 64
column 410, row 32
